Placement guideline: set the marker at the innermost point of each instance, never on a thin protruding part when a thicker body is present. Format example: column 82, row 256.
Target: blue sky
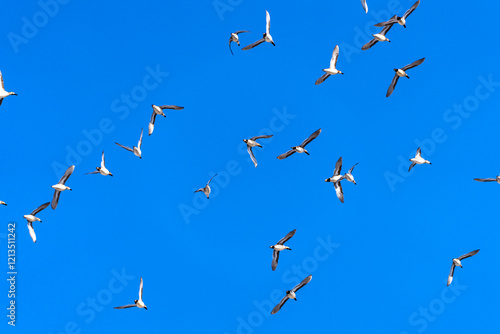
column 87, row 75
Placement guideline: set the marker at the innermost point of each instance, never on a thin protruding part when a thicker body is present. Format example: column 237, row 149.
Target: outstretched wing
column 40, row 208
column 67, row 174
column 211, row 179
column 411, row 166
column 286, row 154
column 338, row 190
column 338, row 167
column 414, row 64
column 126, row 306
column 103, row 163
column 125, row 147
column 365, row 6
column 287, row 237
column 485, row 180
column 32, row 231
column 268, row 22
column 335, row 57
column 55, row 199
column 369, row 44
column 171, row 107
column 259, row 137
column 322, row 78
column 352, row 168
column 276, row 256
column 140, row 140
column 468, row 254
column 280, row 305
column 392, row 85
column 409, row 11
column 249, row 149
column 303, row 283
column 391, row 21
column 450, row 276
column 140, row 289
column 311, row 138
column 254, row 44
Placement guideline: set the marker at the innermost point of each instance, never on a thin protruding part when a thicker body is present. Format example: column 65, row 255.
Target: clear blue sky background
column 206, row 272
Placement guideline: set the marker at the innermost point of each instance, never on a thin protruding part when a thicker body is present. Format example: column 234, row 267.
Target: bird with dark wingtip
column 301, row 147
column 290, row 294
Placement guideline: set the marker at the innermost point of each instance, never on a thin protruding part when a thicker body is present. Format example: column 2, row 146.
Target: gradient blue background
column 395, row 245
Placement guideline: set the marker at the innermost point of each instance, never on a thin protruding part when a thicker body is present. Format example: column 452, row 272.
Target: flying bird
column 234, row 38
column 457, row 262
column 365, row 5
column 336, row 178
column 266, row 37
column 291, row 294
column 252, row 143
column 61, row 187
column 3, row 92
column 491, row 179
column 418, row 159
column 206, row 190
column 401, row 20
column 301, row 147
column 348, row 176
column 101, row 170
column 137, row 303
column 332, row 70
column 31, row 218
column 380, row 37
column 279, row 247
column 135, row 150
column 401, row 72
column 158, row 110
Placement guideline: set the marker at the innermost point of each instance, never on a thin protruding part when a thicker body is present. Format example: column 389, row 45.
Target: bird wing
column 249, row 149
column 392, row 85
column 103, row 163
column 254, row 44
column 414, row 64
column 301, row 284
column 153, row 118
column 259, row 137
column 335, row 57
column 1, row 81
column 201, row 189
column 412, row 8
column 450, row 276
column 286, row 154
column 55, row 199
column 339, row 191
column 171, row 107
column 386, row 29
column 392, row 20
column 240, row 31
column 125, row 147
column 140, row 289
column 419, row 152
column 311, row 138
column 211, row 179
column 411, row 166
column 322, row 78
column 468, row 254
column 485, row 180
column 95, row 172
column 67, row 174
column 268, row 23
column 230, row 40
column 40, row 208
column 338, row 167
column 287, row 237
column 280, row 305
column 369, row 44
column 352, row 168
column 140, row 140
column 32, row 231
column 125, row 306
column 365, row 6
column 276, row 256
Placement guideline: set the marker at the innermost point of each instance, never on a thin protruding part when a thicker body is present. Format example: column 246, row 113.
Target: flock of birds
column 336, row 178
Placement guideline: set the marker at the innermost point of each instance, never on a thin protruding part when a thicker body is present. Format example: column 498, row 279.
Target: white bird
column 206, row 190
column 61, row 187
column 418, row 159
column 3, row 203
column 301, row 147
column 348, row 176
column 279, row 247
column 158, row 110
column 365, row 6
column 380, row 37
column 31, row 218
column 135, row 150
column 491, row 179
column 291, row 294
column 401, row 72
column 266, row 37
column 457, row 262
column 234, row 38
column 137, row 303
column 332, row 70
column 400, row 20
column 101, row 170
column 3, row 92
column 252, row 143
column 336, row 178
